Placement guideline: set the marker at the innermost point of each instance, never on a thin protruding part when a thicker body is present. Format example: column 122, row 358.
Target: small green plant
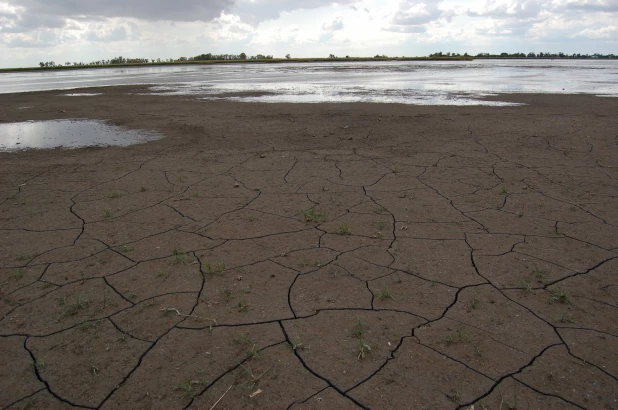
column 126, row 248
column 303, row 263
column 298, row 346
column 88, row 325
column 520, row 214
column 227, row 294
column 526, row 285
column 559, row 296
column 383, row 294
column 344, row 229
column 474, row 303
column 188, row 389
column 254, row 353
column 459, row 336
column 539, row 274
column 504, row 191
column 39, row 364
column 107, row 213
column 22, row 257
column 94, row 368
column 382, row 225
column 79, row 303
column 179, row 256
column 363, row 349
column 143, row 189
column 242, row 305
column 380, row 210
column 114, row 195
column 19, row 274
column 566, row 318
column 243, row 339
column 359, row 332
column 31, row 401
column 453, row 396
column 314, row 215
column 252, row 218
column 221, row 266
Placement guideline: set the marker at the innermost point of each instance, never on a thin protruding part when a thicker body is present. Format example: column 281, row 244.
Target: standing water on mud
column 68, row 134
column 409, row 82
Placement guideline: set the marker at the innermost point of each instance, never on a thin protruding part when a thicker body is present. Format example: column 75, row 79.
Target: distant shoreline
column 248, row 61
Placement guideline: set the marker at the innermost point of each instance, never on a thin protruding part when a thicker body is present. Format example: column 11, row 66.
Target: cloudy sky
column 87, row 30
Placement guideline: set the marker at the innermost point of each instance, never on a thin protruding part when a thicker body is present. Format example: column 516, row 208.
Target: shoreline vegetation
column 208, row 59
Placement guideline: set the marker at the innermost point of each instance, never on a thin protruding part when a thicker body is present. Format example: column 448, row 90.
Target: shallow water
column 424, row 82
column 68, row 134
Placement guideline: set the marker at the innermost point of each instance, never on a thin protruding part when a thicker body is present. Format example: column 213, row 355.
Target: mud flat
column 312, row 256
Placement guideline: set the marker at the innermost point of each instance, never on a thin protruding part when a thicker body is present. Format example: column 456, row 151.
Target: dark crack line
column 47, row 385
column 319, row 376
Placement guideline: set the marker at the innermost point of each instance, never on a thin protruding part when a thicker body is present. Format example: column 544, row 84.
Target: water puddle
column 69, row 134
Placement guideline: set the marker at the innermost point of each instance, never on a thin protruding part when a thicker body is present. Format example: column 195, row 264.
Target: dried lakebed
column 346, row 256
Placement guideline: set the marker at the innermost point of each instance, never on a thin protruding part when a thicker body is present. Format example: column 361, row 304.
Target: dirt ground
column 313, row 256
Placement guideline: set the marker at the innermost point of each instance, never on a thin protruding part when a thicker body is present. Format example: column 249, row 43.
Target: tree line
column 525, row 55
column 242, row 56
column 123, row 60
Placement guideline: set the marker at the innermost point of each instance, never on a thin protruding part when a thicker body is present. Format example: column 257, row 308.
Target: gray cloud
column 417, row 12
column 42, row 39
column 256, row 11
column 37, row 14
column 177, row 10
column 22, row 23
column 118, row 33
column 334, row 25
column 413, row 15
column 605, row 6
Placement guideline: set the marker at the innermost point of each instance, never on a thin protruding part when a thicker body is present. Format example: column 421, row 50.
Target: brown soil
column 313, row 256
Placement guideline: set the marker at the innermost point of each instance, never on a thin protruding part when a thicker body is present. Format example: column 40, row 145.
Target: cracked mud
column 322, row 256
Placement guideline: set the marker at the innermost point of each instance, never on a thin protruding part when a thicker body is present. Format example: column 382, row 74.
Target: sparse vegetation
column 559, row 296
column 179, row 257
column 94, row 368
column 384, row 293
column 314, row 215
column 242, row 305
column 344, row 229
column 459, row 336
column 74, row 305
column 359, row 333
column 526, row 285
column 227, row 295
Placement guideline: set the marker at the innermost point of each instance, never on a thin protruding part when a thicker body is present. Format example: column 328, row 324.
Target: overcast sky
column 86, row 30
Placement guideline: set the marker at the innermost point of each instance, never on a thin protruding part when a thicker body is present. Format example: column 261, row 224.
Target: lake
column 416, row 82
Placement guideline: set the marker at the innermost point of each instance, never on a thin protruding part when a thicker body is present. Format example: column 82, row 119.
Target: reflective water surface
column 425, row 82
column 68, row 134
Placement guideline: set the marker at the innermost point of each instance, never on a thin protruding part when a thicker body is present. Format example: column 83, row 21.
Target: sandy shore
column 313, row 256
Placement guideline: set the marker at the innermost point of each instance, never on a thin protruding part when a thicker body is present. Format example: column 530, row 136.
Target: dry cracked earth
column 279, row 256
